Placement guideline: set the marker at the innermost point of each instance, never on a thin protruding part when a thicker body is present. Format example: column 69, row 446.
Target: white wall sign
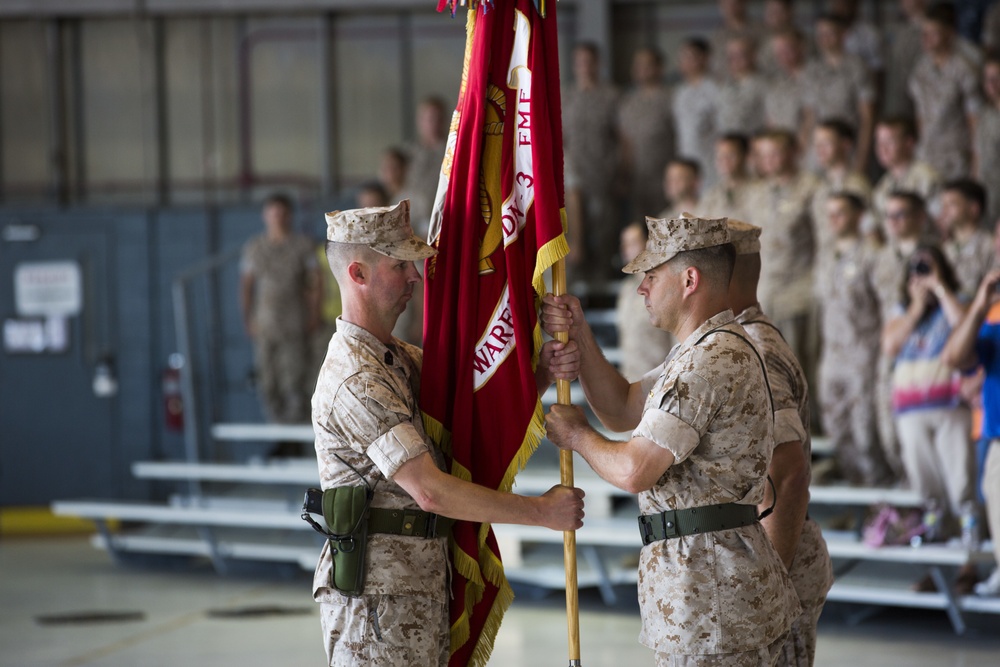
column 48, row 289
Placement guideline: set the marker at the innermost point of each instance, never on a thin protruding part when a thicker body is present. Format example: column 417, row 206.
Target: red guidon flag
column 497, row 224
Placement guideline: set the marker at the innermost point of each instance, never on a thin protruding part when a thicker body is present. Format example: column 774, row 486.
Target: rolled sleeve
column 669, row 432
column 375, row 421
column 788, row 427
column 394, row 448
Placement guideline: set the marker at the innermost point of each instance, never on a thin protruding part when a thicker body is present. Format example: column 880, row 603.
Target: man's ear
column 692, row 278
column 357, row 272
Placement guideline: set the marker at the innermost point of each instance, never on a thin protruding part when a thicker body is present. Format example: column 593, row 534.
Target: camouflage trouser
column 887, row 420
column 765, row 656
column 601, row 230
column 847, row 403
column 281, row 371
column 385, row 631
column 812, row 574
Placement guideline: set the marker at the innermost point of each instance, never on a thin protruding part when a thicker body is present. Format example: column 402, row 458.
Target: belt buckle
column 409, row 523
column 432, row 522
column 669, row 522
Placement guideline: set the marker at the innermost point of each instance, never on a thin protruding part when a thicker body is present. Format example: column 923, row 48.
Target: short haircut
column 914, row 201
column 853, row 200
column 641, row 226
column 741, row 141
column 397, row 154
column 699, row 44
column 943, row 13
column 340, row 255
column 377, row 188
column 840, row 127
column 590, row 47
column 792, row 33
column 785, row 137
column 280, row 199
column 714, row 263
column 836, row 19
column 750, row 42
column 436, row 102
column 687, row 163
column 970, row 189
column 904, row 124
column 654, row 52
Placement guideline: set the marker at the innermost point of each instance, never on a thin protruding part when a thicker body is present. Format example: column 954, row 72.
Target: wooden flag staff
column 566, row 479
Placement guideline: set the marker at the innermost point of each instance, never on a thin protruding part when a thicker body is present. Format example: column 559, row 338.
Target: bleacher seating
column 250, row 511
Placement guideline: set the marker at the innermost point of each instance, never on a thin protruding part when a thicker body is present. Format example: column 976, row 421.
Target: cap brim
column 646, row 261
column 411, row 249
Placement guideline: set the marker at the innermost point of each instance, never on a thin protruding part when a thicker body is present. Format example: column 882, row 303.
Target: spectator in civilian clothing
column 976, row 342
column 932, row 423
column 906, row 224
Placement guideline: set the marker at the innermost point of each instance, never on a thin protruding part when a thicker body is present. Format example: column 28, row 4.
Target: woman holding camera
column 932, row 422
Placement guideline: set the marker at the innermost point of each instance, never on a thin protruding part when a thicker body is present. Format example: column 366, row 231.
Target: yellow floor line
column 41, row 521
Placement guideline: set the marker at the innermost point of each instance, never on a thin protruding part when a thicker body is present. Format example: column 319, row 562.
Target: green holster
column 345, row 510
column 350, row 519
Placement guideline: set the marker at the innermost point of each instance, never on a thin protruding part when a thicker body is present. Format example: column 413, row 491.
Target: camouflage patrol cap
column 745, row 237
column 667, row 238
column 384, row 229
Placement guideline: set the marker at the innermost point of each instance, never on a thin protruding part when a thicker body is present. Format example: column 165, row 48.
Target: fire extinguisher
column 173, row 404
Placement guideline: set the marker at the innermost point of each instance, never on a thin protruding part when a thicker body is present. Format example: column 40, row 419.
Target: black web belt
column 416, row 523
column 674, row 523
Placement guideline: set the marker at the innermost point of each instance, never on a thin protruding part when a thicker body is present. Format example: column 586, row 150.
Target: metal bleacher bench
column 608, row 543
column 271, row 530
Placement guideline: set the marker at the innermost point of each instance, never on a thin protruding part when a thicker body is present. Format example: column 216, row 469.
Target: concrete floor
column 180, row 618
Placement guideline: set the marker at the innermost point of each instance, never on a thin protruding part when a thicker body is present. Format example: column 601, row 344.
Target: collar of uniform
column 720, row 319
column 380, row 351
column 750, row 313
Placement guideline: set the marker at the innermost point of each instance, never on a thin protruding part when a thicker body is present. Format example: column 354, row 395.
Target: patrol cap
column 384, row 229
column 667, row 238
column 744, row 237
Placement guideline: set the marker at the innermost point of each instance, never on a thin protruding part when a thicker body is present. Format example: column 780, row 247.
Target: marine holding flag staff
column 368, row 425
column 712, row 588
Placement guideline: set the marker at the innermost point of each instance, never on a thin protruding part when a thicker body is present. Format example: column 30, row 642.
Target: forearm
column 246, row 303
column 437, row 491
column 959, row 352
column 606, row 390
column 791, row 481
column 954, row 310
column 633, row 466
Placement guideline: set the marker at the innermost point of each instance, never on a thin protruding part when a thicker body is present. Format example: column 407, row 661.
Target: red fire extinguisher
column 173, row 405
